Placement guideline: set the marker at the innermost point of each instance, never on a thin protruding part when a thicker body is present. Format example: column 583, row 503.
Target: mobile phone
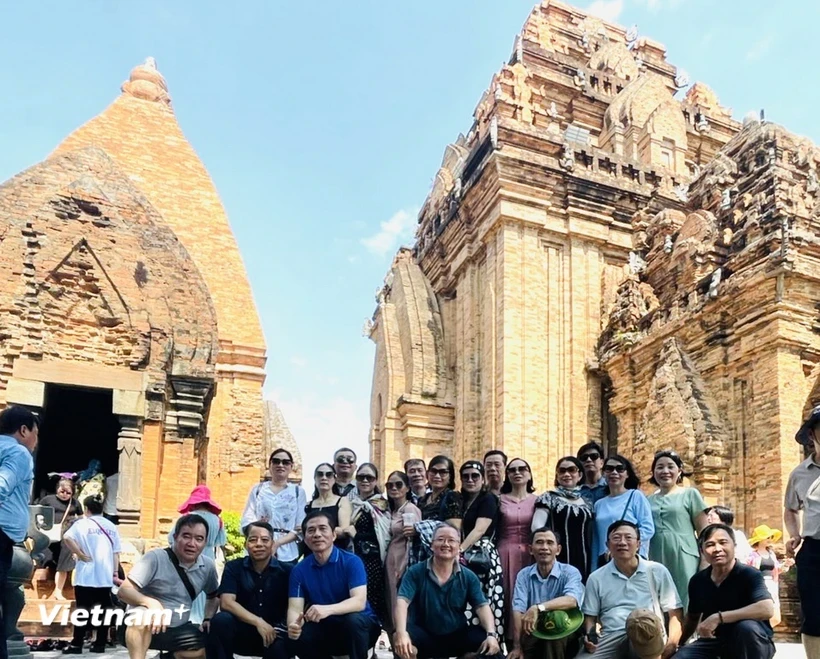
column 592, row 637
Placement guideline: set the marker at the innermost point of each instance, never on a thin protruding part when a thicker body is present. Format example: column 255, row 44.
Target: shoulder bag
column 55, row 533
column 183, row 576
column 604, row 558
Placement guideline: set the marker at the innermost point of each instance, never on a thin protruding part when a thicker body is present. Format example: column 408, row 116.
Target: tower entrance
column 78, row 426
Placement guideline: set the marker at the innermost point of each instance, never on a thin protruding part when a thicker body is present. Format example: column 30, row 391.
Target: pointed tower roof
column 140, row 133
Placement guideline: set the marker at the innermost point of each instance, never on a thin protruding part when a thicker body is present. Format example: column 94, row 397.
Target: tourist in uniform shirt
column 494, row 463
column 593, row 483
column 253, row 597
column 416, row 472
column 546, row 586
column 629, row 586
column 678, row 514
column 803, row 494
column 96, row 543
column 19, row 430
column 623, row 501
column 328, row 611
column 279, row 503
column 344, row 464
column 729, row 605
column 429, row 616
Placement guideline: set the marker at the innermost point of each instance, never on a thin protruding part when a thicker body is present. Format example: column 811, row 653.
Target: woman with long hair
column 623, row 500
column 403, row 517
column 565, row 509
column 279, row 503
column 66, row 510
column 478, row 551
column 442, row 503
column 678, row 514
column 516, row 508
column 326, row 498
column 370, row 530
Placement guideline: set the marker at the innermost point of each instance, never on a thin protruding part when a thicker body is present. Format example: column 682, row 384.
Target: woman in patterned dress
column 478, row 519
column 370, row 530
column 517, row 506
column 679, row 514
column 280, row 504
column 403, row 516
column 565, row 510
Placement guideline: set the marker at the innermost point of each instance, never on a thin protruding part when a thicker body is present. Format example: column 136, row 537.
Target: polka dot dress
column 492, row 585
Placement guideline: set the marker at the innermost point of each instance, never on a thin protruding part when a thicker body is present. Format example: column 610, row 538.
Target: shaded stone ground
column 784, row 651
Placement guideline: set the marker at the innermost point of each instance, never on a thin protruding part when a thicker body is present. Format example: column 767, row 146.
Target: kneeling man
column 435, row 594
column 328, row 611
column 170, row 580
column 253, row 597
column 540, row 590
column 729, row 604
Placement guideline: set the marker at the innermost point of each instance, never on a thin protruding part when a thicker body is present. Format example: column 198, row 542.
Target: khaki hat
column 645, row 632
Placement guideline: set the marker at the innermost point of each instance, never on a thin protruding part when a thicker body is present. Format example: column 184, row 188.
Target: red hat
column 200, row 495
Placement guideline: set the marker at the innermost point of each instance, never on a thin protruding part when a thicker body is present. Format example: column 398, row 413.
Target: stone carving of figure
column 367, row 329
column 636, row 263
column 522, row 92
column 726, row 199
column 714, row 282
column 567, row 160
column 668, row 244
column 632, row 37
column 681, row 79
column 494, row 132
column 812, row 184
column 703, row 125
column 681, row 191
column 552, row 112
column 580, row 78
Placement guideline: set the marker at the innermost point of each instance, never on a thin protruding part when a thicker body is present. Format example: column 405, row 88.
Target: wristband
column 720, row 617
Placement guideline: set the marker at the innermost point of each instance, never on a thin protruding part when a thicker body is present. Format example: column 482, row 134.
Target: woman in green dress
column 679, row 515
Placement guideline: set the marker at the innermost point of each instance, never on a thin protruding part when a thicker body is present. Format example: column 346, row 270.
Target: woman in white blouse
column 280, row 504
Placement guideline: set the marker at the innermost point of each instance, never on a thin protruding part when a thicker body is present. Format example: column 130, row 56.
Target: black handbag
column 477, row 559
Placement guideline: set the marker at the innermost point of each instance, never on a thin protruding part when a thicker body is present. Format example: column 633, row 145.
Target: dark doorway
column 78, row 426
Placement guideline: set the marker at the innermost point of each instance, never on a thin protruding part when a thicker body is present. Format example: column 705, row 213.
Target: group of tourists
column 590, row 568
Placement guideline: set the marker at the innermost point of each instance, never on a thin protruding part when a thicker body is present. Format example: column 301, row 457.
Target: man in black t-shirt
column 729, row 605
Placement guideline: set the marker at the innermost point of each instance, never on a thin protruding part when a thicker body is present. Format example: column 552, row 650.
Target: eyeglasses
column 365, row 478
column 345, row 459
column 470, row 477
column 440, row 472
column 325, row 474
column 281, row 461
column 568, row 470
column 591, row 456
column 394, row 485
column 610, row 468
column 517, row 470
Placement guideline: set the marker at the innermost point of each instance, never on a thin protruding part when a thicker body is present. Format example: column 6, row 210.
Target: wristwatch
column 492, row 635
column 542, row 608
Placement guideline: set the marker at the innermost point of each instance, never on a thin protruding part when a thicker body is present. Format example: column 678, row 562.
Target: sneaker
column 73, row 649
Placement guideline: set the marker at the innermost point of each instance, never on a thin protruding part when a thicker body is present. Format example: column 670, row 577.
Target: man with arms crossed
column 328, row 611
column 729, row 604
column 546, row 586
column 435, row 593
column 155, row 584
column 629, row 596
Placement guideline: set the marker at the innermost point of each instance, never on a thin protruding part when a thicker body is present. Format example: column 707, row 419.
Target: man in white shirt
column 96, row 543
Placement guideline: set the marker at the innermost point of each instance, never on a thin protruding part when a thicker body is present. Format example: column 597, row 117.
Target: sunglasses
column 470, row 477
column 568, row 470
column 590, row 456
column 346, row 460
column 517, row 470
column 440, row 472
column 325, row 474
column 610, row 468
column 281, row 461
column 394, row 485
column 365, row 478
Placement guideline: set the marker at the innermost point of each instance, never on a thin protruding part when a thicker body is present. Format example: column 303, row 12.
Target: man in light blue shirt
column 546, row 586
column 18, row 438
column 629, row 584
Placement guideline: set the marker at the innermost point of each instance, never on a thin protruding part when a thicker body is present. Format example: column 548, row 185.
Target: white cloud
column 320, row 426
column 609, row 10
column 391, row 233
column 298, row 362
column 760, row 48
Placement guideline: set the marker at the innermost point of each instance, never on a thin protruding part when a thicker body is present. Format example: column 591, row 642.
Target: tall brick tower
column 179, row 424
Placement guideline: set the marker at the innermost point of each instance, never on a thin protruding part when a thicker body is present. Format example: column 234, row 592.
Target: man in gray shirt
column 156, row 583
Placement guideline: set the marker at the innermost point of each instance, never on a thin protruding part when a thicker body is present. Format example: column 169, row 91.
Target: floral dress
column 284, row 511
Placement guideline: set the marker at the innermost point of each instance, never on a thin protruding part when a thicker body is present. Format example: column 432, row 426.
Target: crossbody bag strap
column 626, row 507
column 653, row 590
column 182, row 574
column 103, row 532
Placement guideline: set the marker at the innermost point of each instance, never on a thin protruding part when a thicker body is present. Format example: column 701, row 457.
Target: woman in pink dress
column 515, row 517
column 403, row 515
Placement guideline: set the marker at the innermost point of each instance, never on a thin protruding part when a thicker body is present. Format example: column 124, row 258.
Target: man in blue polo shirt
column 328, row 612
column 436, row 593
column 546, row 586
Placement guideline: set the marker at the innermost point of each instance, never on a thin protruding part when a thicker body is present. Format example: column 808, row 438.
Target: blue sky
column 323, row 125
